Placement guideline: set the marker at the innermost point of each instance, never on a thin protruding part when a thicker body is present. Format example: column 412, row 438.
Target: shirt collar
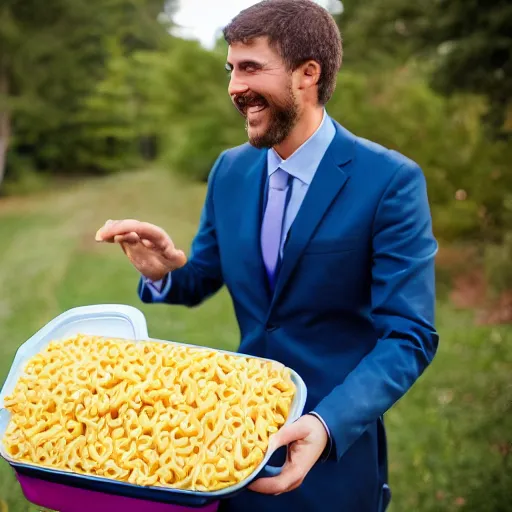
column 303, row 163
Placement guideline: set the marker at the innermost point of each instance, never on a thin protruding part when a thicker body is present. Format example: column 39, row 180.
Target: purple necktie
column 272, row 225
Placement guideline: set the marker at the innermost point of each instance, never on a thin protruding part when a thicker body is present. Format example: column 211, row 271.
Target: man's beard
column 282, row 118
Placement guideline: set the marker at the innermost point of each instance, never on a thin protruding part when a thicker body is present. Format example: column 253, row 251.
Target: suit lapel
column 252, row 196
column 325, row 187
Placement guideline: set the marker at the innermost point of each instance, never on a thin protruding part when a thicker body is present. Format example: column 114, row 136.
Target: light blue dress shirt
column 302, row 166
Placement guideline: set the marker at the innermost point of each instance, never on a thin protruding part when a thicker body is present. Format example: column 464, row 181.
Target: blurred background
column 118, row 108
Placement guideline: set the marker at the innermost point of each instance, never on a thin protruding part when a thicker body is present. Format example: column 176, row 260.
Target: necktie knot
column 279, row 179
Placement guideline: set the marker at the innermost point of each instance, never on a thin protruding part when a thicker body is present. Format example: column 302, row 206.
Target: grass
column 449, row 438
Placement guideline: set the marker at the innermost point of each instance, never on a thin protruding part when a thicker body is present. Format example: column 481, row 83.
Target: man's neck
column 303, row 130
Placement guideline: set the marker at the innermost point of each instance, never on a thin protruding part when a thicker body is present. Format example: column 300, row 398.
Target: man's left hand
column 307, row 439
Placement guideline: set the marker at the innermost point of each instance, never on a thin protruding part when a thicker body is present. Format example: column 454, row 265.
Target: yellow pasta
column 148, row 413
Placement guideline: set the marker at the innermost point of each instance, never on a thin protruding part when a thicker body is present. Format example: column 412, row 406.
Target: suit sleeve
column 403, row 303
column 201, row 277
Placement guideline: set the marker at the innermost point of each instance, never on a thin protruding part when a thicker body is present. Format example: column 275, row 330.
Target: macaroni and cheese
column 148, row 413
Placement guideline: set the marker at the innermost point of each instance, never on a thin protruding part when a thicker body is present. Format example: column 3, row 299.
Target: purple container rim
column 58, row 496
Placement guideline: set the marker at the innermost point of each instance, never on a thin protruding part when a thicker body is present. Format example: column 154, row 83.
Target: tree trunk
column 5, row 124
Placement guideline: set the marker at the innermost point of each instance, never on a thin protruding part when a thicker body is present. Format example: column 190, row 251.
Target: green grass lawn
column 449, row 438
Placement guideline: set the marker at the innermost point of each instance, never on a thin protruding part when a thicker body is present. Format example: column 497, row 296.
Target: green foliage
column 201, row 140
column 376, row 33
column 27, row 180
column 207, row 123
column 52, row 56
column 498, row 264
column 180, row 96
column 474, row 51
column 465, row 45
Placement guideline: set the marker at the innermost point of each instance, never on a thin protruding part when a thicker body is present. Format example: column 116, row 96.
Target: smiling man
column 324, row 242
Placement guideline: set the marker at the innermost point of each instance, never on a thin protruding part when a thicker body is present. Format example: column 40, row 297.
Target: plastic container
column 66, row 491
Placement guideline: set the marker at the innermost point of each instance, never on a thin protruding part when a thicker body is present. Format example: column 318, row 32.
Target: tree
column 466, row 46
column 51, row 56
column 474, row 42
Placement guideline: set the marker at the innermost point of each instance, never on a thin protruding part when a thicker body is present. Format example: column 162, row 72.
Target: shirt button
column 271, row 327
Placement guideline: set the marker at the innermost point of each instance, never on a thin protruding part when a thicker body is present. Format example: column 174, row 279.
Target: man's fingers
column 100, row 234
column 298, row 483
column 148, row 243
column 150, row 232
column 129, row 238
column 291, row 477
column 175, row 255
column 288, row 434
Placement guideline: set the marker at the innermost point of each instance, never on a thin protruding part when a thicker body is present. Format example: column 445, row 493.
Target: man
column 324, row 242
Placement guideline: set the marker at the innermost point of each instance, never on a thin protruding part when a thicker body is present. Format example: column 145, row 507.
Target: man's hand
column 307, row 439
column 148, row 247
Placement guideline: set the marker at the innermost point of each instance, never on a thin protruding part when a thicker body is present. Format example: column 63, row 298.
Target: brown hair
column 299, row 30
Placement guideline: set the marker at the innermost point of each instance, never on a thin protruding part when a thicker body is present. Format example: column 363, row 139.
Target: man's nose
column 236, row 86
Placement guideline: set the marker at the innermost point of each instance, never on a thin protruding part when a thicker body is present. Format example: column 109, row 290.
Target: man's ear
column 310, row 73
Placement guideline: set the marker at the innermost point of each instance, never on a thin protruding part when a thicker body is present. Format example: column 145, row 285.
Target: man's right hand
column 148, row 247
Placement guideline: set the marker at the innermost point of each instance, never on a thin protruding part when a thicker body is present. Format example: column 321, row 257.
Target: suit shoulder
column 235, row 161
column 239, row 154
column 371, row 152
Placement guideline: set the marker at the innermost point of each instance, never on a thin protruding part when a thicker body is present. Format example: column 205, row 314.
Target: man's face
column 261, row 88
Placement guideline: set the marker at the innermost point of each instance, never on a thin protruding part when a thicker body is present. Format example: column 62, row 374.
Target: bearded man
column 324, row 241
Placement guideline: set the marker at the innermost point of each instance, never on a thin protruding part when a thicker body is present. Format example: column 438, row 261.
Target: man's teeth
column 256, row 108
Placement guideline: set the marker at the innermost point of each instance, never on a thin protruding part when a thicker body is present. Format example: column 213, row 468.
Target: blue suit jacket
column 353, row 308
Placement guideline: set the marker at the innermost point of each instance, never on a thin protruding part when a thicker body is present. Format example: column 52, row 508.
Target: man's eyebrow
column 245, row 64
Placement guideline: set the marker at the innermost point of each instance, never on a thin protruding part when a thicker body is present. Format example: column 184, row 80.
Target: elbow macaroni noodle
column 147, row 413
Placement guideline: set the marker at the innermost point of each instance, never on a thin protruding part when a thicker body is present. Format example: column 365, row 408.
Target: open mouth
column 251, row 105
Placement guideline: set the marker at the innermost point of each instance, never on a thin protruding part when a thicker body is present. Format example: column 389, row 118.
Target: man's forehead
column 254, row 49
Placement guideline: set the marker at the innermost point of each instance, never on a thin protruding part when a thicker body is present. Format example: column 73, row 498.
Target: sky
column 204, row 19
